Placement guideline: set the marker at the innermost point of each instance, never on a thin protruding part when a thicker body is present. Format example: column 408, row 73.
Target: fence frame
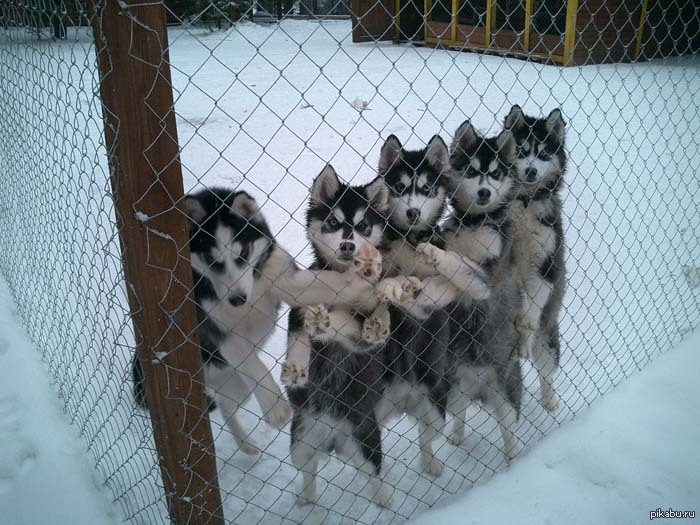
column 131, row 46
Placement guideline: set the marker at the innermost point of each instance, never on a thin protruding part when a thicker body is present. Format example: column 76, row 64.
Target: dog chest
column 479, row 244
column 533, row 241
column 255, row 320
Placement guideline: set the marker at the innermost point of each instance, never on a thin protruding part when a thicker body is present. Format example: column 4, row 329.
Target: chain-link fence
column 464, row 296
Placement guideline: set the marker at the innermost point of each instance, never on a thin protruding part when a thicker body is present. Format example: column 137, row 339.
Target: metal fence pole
column 141, row 142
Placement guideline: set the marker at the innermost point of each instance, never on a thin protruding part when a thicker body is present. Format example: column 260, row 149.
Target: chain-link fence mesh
column 263, row 109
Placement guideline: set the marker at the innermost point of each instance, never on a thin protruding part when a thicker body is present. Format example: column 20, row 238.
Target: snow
column 263, row 108
column 45, row 475
column 634, row 451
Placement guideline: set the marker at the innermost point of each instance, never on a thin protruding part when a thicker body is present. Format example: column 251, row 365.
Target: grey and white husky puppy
column 477, row 237
column 356, row 382
column 240, row 276
column 538, row 240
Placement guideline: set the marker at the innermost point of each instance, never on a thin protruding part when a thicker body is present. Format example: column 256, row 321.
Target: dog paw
column 399, row 290
column 430, row 253
column 377, row 327
column 317, row 321
column 368, row 263
column 456, row 438
column 551, row 404
column 307, row 497
column 294, row 375
column 279, row 414
column 431, row 465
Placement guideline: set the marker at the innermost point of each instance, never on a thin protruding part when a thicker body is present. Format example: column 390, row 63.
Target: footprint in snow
column 18, row 453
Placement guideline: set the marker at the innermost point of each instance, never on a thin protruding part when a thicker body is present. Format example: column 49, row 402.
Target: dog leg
column 426, row 434
column 230, row 391
column 242, row 356
column 544, row 359
column 367, row 457
column 295, row 368
column 507, row 421
column 537, row 292
column 377, row 327
column 305, row 459
column 310, row 287
column 462, row 272
column 339, row 326
column 456, row 405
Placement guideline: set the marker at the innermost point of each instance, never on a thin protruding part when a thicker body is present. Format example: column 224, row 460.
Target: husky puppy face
column 540, row 148
column 481, row 169
column 417, row 183
column 229, row 242
column 342, row 218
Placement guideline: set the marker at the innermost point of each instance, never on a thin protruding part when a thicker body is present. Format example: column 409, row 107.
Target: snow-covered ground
column 634, row 451
column 45, row 475
column 263, row 108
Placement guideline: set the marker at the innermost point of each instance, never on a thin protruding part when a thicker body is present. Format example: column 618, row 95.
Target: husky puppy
column 240, row 276
column 482, row 329
column 353, row 387
column 538, row 240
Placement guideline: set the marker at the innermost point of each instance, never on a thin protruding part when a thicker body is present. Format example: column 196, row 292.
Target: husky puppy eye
column 332, row 221
column 522, row 152
column 470, row 172
column 362, row 226
column 498, row 174
column 544, row 155
column 427, row 190
column 242, row 258
column 399, row 187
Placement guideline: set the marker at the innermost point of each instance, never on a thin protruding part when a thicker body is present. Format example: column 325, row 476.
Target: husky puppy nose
column 483, row 194
column 412, row 214
column 237, row 300
column 530, row 174
column 347, row 249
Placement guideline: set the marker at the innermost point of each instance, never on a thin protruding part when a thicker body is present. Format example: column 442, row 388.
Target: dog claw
column 430, row 253
column 317, row 320
column 294, row 375
column 377, row 327
column 399, row 290
column 368, row 263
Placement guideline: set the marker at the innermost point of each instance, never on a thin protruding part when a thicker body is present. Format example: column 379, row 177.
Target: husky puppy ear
column 436, row 153
column 390, row 154
column 506, row 146
column 465, row 138
column 378, row 195
column 195, row 210
column 244, row 206
column 555, row 125
column 325, row 186
column 515, row 118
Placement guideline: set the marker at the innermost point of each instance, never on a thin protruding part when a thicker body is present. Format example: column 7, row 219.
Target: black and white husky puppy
column 538, row 240
column 240, row 276
column 477, row 238
column 356, row 383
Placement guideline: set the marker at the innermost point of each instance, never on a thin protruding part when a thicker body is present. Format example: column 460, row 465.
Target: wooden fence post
column 141, row 140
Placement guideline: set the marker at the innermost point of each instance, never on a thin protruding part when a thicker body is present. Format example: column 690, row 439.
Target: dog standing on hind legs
column 240, row 276
column 482, row 326
column 538, row 240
